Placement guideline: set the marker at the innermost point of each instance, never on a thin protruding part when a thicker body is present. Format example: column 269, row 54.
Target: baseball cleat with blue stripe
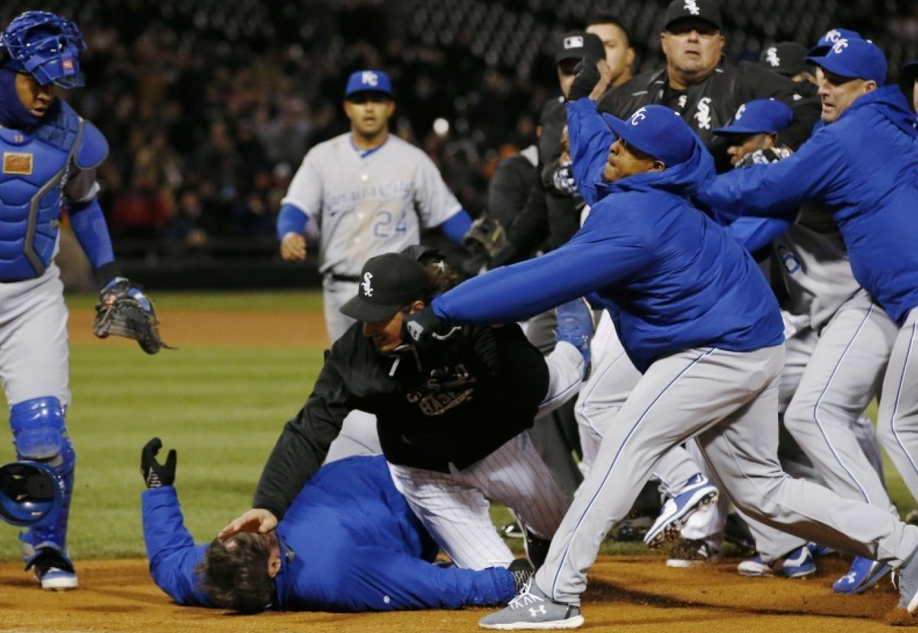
column 697, row 495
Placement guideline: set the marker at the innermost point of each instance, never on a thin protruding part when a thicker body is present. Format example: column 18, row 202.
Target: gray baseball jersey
column 367, row 204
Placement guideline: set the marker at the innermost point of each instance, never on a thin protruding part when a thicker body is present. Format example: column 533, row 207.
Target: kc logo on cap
column 638, row 116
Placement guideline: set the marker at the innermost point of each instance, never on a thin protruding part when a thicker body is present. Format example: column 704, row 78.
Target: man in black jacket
column 453, row 419
column 702, row 86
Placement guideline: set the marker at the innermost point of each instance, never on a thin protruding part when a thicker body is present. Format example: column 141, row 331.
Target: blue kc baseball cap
column 658, row 131
column 828, row 40
column 852, row 59
column 760, row 116
column 368, row 81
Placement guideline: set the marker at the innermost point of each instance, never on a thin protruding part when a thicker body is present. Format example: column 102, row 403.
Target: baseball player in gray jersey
column 846, row 337
column 369, row 193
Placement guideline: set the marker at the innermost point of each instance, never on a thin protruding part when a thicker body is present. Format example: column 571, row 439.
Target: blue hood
column 684, row 179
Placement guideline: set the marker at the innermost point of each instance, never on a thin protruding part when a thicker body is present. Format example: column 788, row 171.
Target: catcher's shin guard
column 40, row 435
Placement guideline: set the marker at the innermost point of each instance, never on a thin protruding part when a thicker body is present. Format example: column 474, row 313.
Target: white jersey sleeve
column 434, row 201
column 305, row 191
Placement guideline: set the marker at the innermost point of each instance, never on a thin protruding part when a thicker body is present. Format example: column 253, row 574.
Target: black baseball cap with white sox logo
column 706, row 10
column 387, row 284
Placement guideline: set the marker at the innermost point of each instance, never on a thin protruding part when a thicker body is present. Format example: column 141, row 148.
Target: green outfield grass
column 222, row 409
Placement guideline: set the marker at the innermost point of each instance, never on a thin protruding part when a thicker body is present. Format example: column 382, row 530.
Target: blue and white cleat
column 532, row 610
column 799, row 563
column 862, row 575
column 697, row 495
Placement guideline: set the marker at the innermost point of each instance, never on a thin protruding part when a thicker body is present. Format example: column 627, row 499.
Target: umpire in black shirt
column 702, row 86
column 452, row 418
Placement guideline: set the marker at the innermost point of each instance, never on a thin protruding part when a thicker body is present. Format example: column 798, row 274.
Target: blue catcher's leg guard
column 40, row 435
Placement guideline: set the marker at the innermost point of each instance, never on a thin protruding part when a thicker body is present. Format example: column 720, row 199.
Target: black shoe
column 737, row 533
column 522, row 571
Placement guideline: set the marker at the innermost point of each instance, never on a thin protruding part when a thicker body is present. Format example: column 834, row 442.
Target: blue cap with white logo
column 368, row 81
column 852, row 59
column 760, row 116
column 658, row 131
column 828, row 40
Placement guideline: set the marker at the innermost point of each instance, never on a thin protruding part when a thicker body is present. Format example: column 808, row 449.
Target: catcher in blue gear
column 49, row 157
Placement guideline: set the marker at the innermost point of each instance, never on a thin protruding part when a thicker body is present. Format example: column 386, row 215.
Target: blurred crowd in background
column 210, row 106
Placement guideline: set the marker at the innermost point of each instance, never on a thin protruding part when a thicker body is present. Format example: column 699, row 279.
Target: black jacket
column 550, row 218
column 454, row 403
column 713, row 102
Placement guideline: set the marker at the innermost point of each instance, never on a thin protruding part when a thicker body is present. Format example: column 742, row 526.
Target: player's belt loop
column 350, row 278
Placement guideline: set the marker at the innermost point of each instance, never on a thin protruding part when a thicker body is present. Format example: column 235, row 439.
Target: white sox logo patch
column 692, row 7
column 771, row 56
column 367, row 288
column 703, row 114
column 17, row 163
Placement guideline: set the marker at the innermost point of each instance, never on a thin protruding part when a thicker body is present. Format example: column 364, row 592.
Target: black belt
column 351, row 278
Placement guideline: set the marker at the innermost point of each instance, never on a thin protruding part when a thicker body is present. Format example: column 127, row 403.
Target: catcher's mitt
column 486, row 235
column 124, row 310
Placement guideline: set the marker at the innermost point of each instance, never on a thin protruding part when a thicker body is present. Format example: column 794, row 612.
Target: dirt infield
column 627, row 593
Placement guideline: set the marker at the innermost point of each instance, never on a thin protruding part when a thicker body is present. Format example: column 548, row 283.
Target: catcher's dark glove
column 155, row 474
column 485, row 236
column 586, row 77
column 124, row 310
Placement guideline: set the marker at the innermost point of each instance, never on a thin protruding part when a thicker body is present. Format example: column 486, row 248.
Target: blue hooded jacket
column 351, row 541
column 863, row 168
column 671, row 278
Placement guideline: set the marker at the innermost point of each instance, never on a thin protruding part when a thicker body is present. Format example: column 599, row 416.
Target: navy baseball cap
column 706, row 10
column 368, row 81
column 852, row 59
column 388, row 283
column 828, row 40
column 784, row 58
column 577, row 44
column 760, row 116
column 658, row 131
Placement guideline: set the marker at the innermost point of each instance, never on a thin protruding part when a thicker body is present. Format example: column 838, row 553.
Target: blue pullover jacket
column 863, row 168
column 351, row 543
column 671, row 278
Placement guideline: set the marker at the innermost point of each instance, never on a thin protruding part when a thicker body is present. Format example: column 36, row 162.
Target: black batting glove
column 586, row 77
column 156, row 475
column 424, row 327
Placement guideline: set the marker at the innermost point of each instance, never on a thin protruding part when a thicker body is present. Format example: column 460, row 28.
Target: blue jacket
column 670, row 277
column 351, row 543
column 864, row 169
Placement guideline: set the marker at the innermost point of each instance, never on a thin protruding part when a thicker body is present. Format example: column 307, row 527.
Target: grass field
column 221, row 407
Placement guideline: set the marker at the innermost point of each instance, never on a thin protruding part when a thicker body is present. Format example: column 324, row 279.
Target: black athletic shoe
column 522, row 571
